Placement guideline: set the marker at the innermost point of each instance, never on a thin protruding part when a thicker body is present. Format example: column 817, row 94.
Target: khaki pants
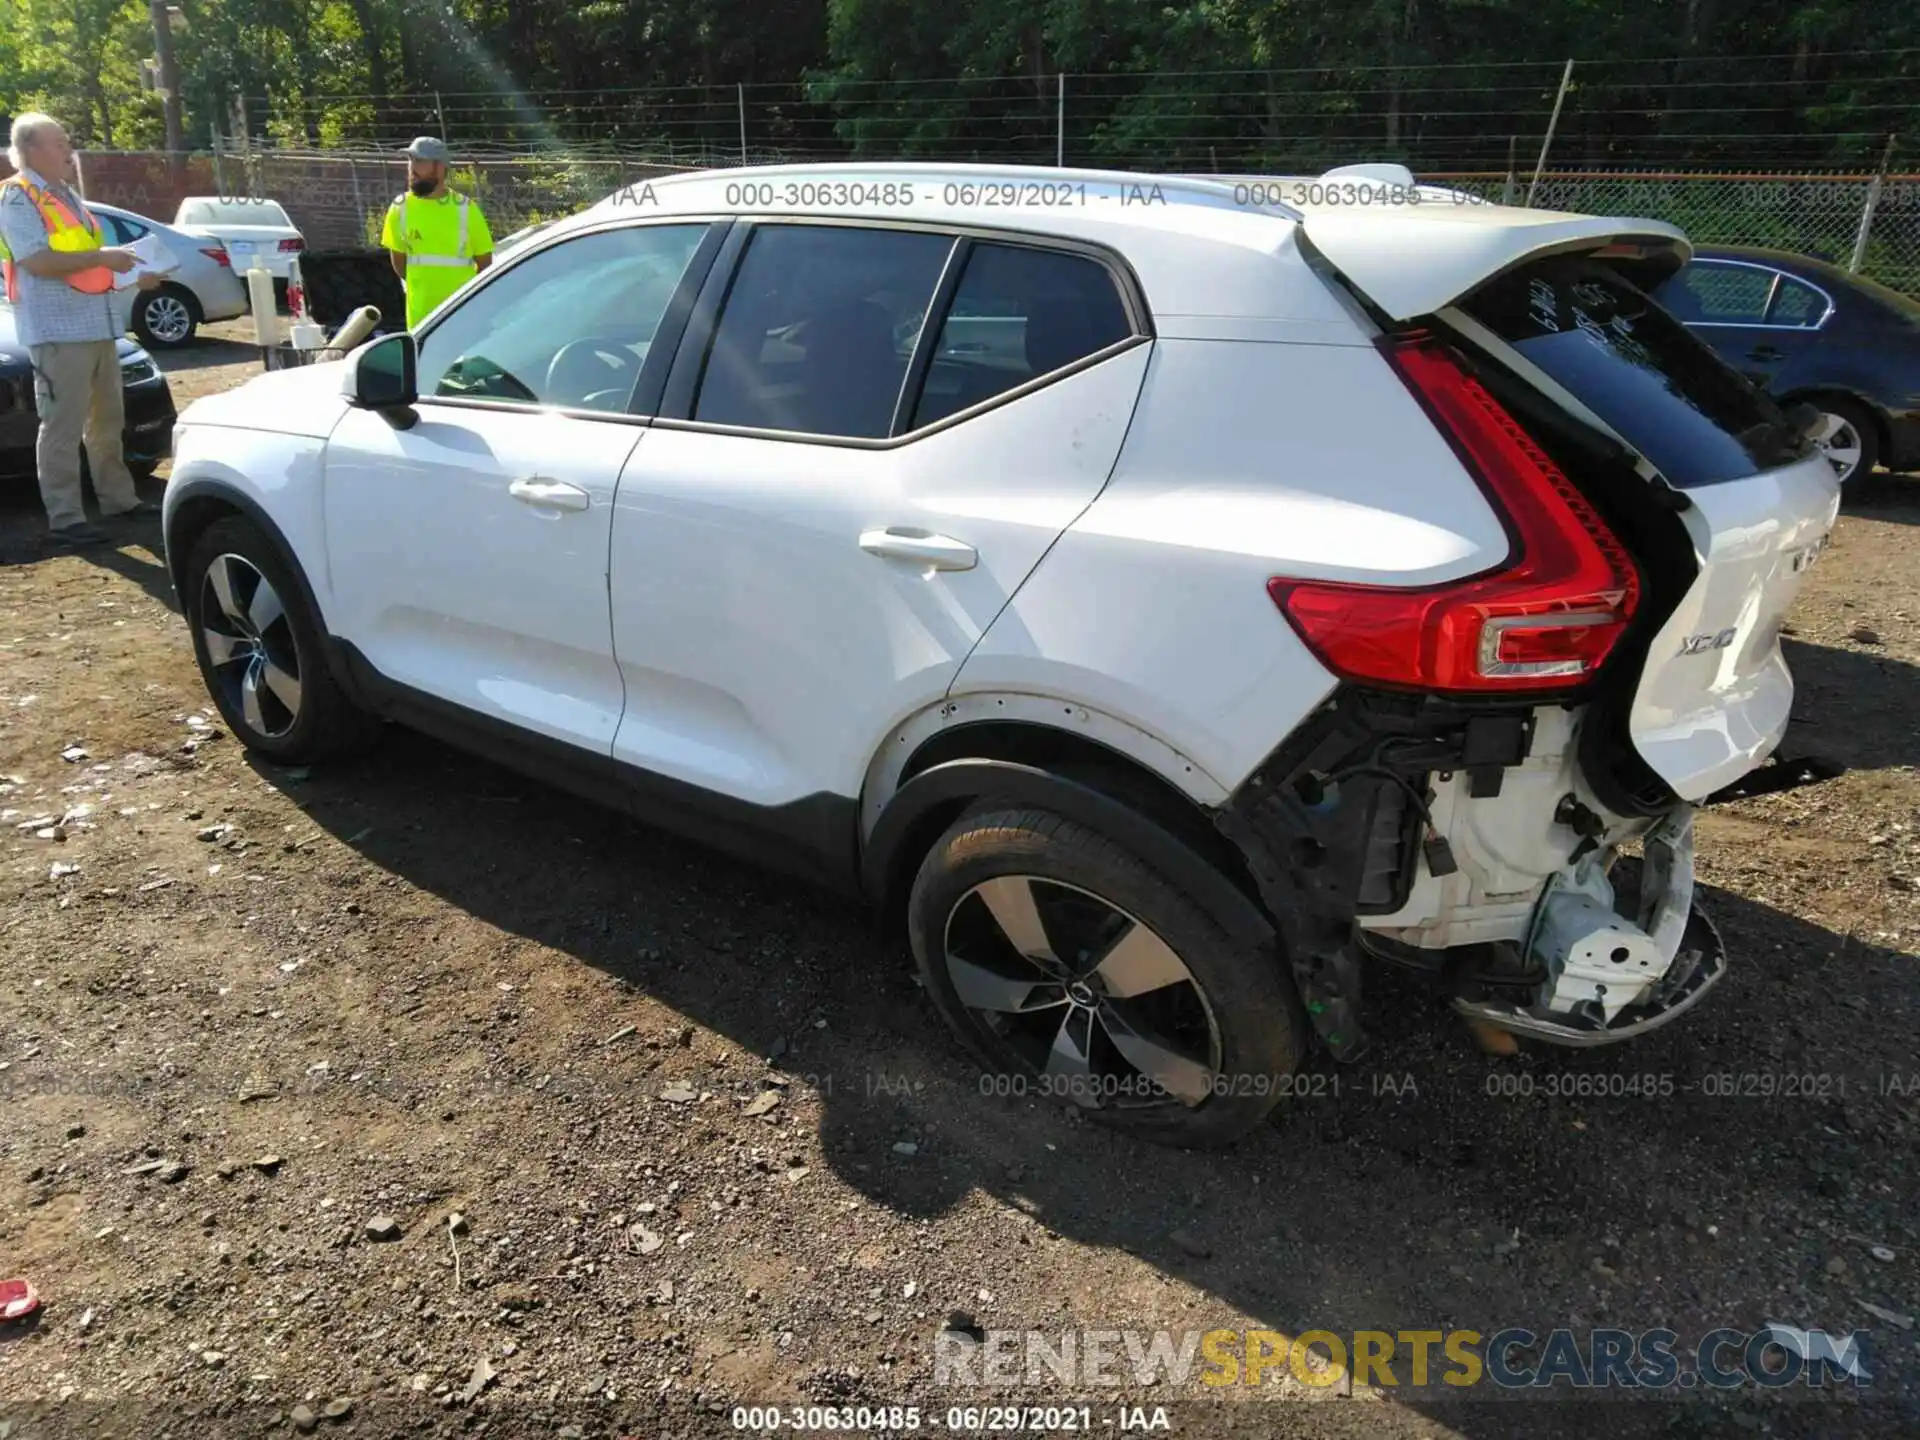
column 77, row 390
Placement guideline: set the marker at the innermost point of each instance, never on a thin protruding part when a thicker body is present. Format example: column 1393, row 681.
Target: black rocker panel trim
column 815, row 838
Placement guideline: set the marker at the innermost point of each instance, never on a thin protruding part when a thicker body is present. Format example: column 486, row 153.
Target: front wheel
column 1077, row 974
column 261, row 652
column 166, row 318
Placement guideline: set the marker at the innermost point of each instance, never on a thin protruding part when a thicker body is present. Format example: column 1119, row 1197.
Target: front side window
column 1018, row 314
column 819, row 326
column 569, row 326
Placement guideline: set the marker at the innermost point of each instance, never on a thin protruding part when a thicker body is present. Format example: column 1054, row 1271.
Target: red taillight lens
column 1545, row 620
column 218, row 254
column 291, row 246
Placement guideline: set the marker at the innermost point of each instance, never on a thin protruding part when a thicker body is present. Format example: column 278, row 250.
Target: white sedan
column 250, row 229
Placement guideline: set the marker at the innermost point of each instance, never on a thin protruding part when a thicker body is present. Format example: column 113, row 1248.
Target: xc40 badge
column 1700, row 644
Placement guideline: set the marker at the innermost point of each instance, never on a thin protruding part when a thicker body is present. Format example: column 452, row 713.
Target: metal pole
column 169, row 78
column 1060, row 121
column 1566, row 79
column 740, row 91
column 1507, row 190
column 1873, row 203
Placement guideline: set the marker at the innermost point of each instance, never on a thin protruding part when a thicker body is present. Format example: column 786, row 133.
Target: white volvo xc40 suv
column 1165, row 599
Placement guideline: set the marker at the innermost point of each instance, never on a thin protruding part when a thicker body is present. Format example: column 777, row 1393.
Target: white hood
column 303, row 400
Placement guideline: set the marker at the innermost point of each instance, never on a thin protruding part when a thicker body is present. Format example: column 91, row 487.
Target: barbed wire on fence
column 338, row 197
column 1700, row 112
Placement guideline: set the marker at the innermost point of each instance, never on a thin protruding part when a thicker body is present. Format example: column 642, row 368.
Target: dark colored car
column 1808, row 331
column 150, row 413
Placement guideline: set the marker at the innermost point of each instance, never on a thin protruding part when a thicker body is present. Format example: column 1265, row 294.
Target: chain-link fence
column 339, row 198
column 1838, row 218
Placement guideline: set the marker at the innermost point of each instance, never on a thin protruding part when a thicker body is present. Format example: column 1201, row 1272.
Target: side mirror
column 384, row 374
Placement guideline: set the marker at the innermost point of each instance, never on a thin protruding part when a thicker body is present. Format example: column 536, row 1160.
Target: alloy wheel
column 1842, row 444
column 168, row 319
column 1096, row 1006
column 250, row 646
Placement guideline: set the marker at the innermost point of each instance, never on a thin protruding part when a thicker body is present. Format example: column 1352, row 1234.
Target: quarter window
column 1797, row 304
column 1019, row 313
column 569, row 326
column 819, row 327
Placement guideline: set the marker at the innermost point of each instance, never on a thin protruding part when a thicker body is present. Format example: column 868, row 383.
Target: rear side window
column 818, row 329
column 1639, row 369
column 1019, row 313
column 1711, row 294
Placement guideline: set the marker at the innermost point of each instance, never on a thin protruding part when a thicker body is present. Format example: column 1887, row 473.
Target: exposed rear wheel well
column 1072, row 757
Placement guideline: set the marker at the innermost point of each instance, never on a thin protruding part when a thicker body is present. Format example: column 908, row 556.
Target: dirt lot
column 416, row 986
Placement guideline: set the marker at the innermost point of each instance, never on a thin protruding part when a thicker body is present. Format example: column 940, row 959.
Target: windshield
column 233, row 212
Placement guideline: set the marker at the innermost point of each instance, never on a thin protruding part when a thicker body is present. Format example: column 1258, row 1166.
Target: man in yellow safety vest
column 436, row 240
column 59, row 282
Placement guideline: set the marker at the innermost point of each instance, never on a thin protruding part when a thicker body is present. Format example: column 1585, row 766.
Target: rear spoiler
column 1419, row 259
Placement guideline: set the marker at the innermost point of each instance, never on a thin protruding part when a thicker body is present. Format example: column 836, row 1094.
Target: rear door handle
column 939, row 552
column 1763, row 353
column 544, row 494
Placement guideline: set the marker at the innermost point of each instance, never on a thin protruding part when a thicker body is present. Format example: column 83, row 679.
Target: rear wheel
column 1846, row 432
column 1077, row 974
column 165, row 318
column 261, row 652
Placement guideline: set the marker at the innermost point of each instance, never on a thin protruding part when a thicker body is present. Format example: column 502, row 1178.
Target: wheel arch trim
column 927, row 802
column 176, row 544
column 1043, row 713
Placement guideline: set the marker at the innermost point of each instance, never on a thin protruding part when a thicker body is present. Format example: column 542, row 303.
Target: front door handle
column 544, row 494
column 938, row 552
column 1763, row 353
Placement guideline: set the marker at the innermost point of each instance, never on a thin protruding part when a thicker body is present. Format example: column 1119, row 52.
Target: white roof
column 1200, row 245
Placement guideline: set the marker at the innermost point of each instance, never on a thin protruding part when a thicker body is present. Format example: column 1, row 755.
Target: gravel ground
column 268, row 1031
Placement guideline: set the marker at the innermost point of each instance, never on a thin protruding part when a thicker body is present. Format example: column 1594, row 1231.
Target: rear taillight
column 1545, row 620
column 289, row 247
column 218, row 254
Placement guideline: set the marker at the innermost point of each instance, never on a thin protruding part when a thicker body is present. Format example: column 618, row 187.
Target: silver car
column 203, row 289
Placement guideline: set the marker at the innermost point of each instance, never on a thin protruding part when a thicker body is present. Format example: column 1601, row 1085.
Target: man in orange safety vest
column 59, row 279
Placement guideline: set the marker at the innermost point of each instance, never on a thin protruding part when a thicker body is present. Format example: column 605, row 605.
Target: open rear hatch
column 1552, row 299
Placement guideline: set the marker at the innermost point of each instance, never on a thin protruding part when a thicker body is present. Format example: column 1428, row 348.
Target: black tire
column 1858, row 420
column 1248, row 1015
column 156, row 317
column 322, row 724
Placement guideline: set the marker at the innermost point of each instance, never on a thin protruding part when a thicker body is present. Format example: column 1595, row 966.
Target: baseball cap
column 427, row 147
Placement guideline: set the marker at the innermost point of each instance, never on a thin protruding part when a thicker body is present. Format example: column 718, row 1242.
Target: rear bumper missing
column 1699, row 966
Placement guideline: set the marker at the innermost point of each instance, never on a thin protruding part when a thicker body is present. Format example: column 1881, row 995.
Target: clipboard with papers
column 151, row 257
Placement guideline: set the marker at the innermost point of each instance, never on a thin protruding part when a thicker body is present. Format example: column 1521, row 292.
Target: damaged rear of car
column 1437, row 585
column 1501, row 790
